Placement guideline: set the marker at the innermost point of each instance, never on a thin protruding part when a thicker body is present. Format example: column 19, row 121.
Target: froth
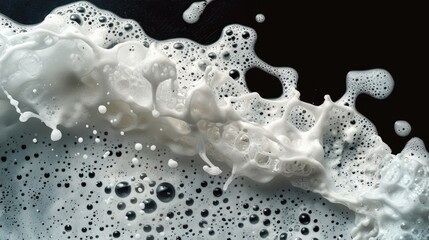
column 84, row 69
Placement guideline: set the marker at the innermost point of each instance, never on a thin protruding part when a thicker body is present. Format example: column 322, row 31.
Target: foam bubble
column 402, row 128
column 260, row 18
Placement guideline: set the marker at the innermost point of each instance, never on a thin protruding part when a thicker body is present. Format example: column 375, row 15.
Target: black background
column 322, row 41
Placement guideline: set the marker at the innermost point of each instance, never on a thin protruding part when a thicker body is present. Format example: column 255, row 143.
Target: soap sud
column 193, row 13
column 203, row 114
column 260, row 18
column 402, row 128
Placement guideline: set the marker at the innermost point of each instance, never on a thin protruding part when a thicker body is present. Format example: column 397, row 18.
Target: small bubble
column 204, row 213
column 253, row 219
column 246, row 35
column 121, row 205
column 139, row 188
column 76, row 18
column 304, row 218
column 150, row 237
column 128, row 27
column 147, row 228
column 122, row 189
column 159, row 228
column 102, row 19
column 217, row 192
column 226, row 55
column 263, row 233
column 188, row 212
column 305, row 231
column 165, row 192
column 80, row 9
column 234, row 74
column 178, row 46
column 150, row 205
column 283, row 236
column 203, row 224
column 267, row 211
column 131, row 215
column 212, row 55
column 107, row 190
column 266, row 222
column 68, row 228
column 316, row 228
column 116, row 234
column 189, row 202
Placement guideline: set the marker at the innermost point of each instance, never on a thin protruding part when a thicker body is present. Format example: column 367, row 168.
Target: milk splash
column 193, row 13
column 113, row 99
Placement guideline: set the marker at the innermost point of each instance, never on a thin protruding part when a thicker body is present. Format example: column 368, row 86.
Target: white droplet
column 402, row 128
column 80, row 140
column 172, row 163
column 260, row 18
column 138, row 146
column 135, row 160
column 106, row 154
column 102, row 109
column 153, row 148
column 56, row 135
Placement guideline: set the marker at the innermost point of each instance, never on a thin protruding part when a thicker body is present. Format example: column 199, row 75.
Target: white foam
column 197, row 95
column 193, row 13
column 402, row 128
column 260, row 18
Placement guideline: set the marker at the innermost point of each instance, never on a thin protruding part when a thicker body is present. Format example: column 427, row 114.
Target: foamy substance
column 194, row 11
column 402, row 128
column 120, row 106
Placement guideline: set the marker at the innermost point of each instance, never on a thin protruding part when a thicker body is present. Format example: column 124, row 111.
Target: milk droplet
column 172, row 163
column 102, row 109
column 193, row 13
column 56, row 135
column 402, row 128
column 260, row 18
column 138, row 146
